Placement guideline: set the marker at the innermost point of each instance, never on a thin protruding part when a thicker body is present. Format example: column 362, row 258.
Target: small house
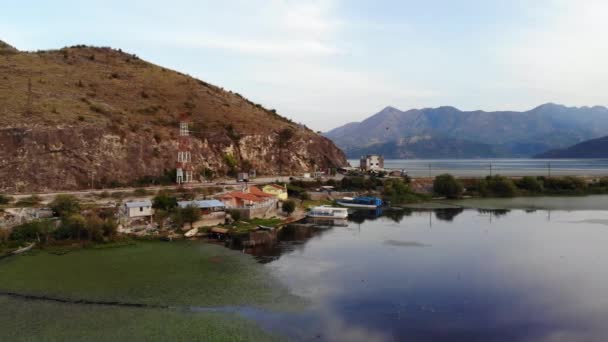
column 278, row 191
column 206, row 206
column 138, row 209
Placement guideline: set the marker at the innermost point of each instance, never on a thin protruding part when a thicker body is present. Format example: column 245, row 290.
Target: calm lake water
column 447, row 275
column 507, row 167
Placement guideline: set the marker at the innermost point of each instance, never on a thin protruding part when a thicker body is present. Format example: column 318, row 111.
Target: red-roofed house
column 253, row 203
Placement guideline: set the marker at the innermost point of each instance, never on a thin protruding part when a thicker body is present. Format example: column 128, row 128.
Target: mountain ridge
column 517, row 134
column 594, row 148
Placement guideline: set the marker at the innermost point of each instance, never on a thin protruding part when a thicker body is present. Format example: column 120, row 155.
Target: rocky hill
column 594, row 148
column 477, row 133
column 85, row 114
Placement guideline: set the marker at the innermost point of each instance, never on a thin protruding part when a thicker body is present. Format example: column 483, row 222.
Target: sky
column 325, row 63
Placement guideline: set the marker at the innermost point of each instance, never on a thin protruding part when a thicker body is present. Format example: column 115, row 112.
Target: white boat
column 328, row 212
column 191, row 233
column 360, row 202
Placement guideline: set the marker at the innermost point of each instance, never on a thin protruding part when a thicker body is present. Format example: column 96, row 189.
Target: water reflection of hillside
column 290, row 239
column 294, row 237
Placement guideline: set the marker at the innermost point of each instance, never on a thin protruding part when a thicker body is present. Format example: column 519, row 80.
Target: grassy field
column 157, row 273
column 47, row 321
column 173, row 276
column 245, row 226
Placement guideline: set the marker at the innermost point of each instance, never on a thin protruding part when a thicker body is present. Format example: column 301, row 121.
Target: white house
column 372, row 162
column 138, row 209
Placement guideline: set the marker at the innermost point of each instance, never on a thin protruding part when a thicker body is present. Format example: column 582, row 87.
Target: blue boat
column 360, row 202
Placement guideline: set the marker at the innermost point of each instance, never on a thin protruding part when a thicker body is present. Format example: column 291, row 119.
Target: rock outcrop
column 83, row 116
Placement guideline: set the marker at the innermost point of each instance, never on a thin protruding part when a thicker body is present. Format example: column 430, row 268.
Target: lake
column 507, row 167
column 448, row 275
column 502, row 273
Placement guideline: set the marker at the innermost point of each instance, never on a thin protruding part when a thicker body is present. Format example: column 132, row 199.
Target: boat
column 23, row 249
column 191, row 233
column 328, row 212
column 360, row 202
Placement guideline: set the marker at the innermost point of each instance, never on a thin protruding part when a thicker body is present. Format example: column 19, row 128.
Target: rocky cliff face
column 84, row 116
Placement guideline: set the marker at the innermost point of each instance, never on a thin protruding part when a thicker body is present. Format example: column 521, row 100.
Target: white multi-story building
column 372, row 162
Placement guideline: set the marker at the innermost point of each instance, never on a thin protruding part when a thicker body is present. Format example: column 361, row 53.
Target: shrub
column 65, row 205
column 140, row 192
column 289, row 207
column 4, row 199
column 29, row 201
column 164, row 202
column 497, row 186
column 568, row 184
column 448, row 186
column 190, row 214
column 32, row 231
column 530, row 184
column 236, row 215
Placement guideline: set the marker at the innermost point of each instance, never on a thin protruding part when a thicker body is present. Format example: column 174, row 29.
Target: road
column 220, row 183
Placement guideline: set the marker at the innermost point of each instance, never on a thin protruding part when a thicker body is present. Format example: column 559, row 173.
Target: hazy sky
column 325, row 63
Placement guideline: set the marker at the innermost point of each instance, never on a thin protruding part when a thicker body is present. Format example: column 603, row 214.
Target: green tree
column 110, row 227
column 94, row 228
column 289, row 207
column 232, row 163
column 191, row 214
column 448, row 186
column 38, row 230
column 160, row 215
column 164, row 202
column 65, row 205
column 72, row 227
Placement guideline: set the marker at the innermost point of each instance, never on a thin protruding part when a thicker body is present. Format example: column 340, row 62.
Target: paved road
column 219, row 183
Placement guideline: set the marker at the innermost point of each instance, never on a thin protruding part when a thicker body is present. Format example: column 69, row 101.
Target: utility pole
column 490, row 169
column 548, row 169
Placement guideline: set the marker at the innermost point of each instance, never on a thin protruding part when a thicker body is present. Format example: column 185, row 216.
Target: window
column 141, row 209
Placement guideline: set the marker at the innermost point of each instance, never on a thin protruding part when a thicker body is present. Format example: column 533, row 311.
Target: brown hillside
column 78, row 113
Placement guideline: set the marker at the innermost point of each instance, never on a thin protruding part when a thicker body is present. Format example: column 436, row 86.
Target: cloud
column 562, row 54
column 270, row 29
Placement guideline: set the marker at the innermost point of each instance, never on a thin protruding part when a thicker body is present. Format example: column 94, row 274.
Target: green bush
column 164, row 202
column 530, row 184
column 236, row 215
column 565, row 184
column 497, row 186
column 65, row 205
column 38, row 230
column 289, row 207
column 4, row 199
column 29, row 201
column 448, row 186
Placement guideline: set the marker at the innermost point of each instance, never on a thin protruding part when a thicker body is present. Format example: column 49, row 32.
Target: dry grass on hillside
column 102, row 86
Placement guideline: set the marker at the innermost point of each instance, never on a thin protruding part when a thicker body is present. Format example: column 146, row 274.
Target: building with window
column 372, row 162
column 138, row 209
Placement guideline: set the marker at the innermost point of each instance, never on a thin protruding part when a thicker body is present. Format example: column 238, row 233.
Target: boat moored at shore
column 360, row 202
column 328, row 212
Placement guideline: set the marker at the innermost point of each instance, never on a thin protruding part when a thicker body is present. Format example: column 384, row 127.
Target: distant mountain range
column 594, row 148
column 447, row 132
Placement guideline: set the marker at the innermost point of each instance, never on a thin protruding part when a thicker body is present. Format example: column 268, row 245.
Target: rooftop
column 138, row 204
column 202, row 204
